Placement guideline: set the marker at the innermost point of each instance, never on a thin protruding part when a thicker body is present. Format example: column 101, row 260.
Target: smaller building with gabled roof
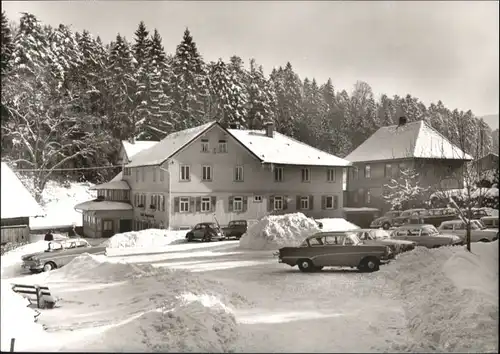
column 415, row 145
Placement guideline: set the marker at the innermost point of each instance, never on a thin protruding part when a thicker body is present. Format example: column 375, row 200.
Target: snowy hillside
column 58, row 203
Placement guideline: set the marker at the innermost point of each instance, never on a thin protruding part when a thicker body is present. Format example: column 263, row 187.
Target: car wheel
column 369, row 264
column 189, row 237
column 49, row 266
column 386, row 226
column 305, row 265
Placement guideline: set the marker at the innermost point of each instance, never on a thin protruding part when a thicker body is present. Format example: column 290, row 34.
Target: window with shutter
column 206, row 204
column 238, row 204
column 183, row 204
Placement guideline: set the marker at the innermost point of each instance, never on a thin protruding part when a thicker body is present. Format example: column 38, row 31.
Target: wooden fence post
column 38, row 296
column 12, row 342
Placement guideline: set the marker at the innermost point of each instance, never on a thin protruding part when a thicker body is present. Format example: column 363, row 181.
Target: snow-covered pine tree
column 288, row 88
column 261, row 98
column 189, row 83
column 331, row 139
column 121, row 103
column 386, row 111
column 142, row 75
column 161, row 121
column 7, row 44
column 308, row 127
column 363, row 117
column 229, row 94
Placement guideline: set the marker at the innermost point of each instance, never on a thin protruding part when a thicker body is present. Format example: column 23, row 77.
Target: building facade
column 413, row 146
column 212, row 173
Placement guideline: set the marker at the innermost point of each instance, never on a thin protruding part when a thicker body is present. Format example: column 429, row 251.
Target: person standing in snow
column 49, row 236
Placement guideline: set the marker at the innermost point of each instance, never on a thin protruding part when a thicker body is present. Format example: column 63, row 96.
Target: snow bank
column 450, row 297
column 145, row 241
column 337, row 224
column 276, row 231
column 11, row 261
column 152, row 310
column 58, row 202
column 18, row 321
column 188, row 327
column 144, row 238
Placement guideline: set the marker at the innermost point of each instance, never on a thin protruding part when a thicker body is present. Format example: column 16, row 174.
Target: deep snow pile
column 276, row 231
column 11, row 261
column 18, row 320
column 145, row 238
column 58, row 202
column 187, row 327
column 153, row 309
column 450, row 297
column 337, row 224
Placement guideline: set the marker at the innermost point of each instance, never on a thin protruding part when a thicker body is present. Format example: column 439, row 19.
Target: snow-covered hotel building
column 208, row 172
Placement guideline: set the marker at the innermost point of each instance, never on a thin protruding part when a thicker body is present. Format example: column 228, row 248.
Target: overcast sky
column 432, row 50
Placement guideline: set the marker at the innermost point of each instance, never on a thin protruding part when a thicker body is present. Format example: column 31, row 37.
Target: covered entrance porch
column 103, row 219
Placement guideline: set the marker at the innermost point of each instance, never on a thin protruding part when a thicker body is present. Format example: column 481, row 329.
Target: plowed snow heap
column 276, row 231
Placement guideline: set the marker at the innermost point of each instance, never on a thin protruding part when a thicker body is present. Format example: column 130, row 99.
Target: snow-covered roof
column 17, row 201
column 115, row 183
column 412, row 140
column 95, row 205
column 280, row 149
column 167, row 147
column 132, row 149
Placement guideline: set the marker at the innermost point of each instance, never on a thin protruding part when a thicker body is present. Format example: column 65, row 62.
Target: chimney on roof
column 269, row 127
column 402, row 121
column 234, row 125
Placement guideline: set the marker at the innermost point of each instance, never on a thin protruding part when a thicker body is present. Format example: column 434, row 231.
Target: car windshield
column 406, row 213
column 352, row 239
column 477, row 225
column 430, row 230
column 392, row 214
column 380, row 234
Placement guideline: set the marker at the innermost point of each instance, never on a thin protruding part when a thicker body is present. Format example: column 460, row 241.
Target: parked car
column 425, row 235
column 437, row 216
column 235, row 228
column 334, row 249
column 490, row 221
column 206, row 232
column 383, row 237
column 385, row 221
column 475, row 213
column 410, row 216
column 58, row 254
column 478, row 232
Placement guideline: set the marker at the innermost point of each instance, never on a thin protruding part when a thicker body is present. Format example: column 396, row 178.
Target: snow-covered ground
column 58, row 202
column 219, row 297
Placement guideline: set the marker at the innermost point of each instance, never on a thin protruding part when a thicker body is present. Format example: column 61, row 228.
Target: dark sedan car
column 205, row 231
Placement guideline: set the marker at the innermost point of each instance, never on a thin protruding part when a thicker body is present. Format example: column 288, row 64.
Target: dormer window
column 204, row 145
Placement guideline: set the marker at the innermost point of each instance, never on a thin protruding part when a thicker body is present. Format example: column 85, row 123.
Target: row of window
column 156, row 201
column 394, row 170
column 389, row 172
column 240, row 203
column 98, row 223
column 114, row 194
column 221, row 146
column 238, row 174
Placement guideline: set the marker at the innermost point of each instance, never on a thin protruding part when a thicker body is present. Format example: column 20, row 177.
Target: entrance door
column 107, row 228
column 125, row 225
